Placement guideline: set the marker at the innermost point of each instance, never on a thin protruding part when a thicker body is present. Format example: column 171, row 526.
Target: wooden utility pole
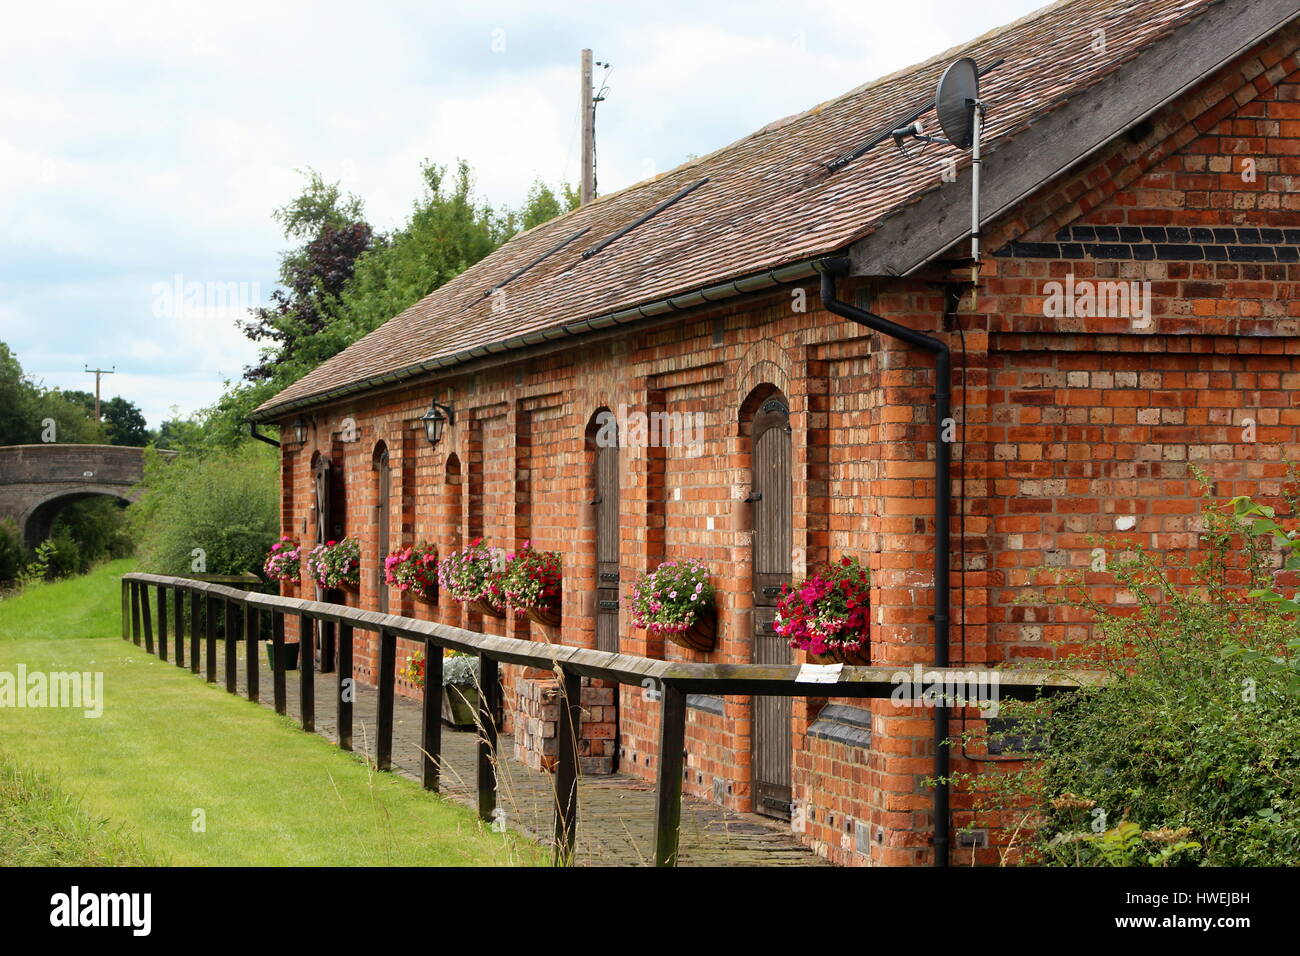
column 588, row 133
column 99, row 372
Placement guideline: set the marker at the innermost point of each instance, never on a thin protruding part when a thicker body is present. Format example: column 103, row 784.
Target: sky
column 143, row 147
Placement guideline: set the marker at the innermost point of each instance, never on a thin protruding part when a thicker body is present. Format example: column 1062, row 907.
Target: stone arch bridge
column 38, row 481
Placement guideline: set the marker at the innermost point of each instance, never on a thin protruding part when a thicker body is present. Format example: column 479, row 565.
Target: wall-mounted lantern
column 300, row 431
column 436, row 420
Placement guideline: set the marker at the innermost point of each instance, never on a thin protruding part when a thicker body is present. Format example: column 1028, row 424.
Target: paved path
column 615, row 811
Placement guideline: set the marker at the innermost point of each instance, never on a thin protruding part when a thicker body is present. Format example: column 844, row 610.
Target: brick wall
column 1072, row 423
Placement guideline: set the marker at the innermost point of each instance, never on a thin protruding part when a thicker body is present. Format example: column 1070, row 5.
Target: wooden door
column 382, row 475
column 322, row 633
column 772, row 496
column 607, row 547
column 607, row 562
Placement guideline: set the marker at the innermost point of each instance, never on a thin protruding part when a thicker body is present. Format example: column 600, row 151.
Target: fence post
column 135, row 612
column 196, row 630
column 668, row 792
column 147, row 614
column 232, row 646
column 384, row 716
column 489, row 693
column 431, row 718
column 252, row 631
column 210, row 633
column 307, row 673
column 345, row 685
column 162, row 622
column 178, row 625
column 566, row 772
column 277, row 652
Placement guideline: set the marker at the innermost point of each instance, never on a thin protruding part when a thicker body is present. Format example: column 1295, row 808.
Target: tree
column 124, row 423
column 333, row 233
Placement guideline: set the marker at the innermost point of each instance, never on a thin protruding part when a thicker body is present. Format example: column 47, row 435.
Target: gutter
column 707, row 295
column 831, row 269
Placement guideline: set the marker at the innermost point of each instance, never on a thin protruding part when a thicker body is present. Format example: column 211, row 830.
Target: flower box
column 472, row 576
column 675, row 600
column 414, row 571
column 828, row 615
column 531, row 583
column 336, row 564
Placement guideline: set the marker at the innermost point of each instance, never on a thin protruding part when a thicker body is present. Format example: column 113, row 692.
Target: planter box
column 460, row 705
column 290, row 656
column 545, row 616
column 860, row 658
column 702, row 636
column 487, row 610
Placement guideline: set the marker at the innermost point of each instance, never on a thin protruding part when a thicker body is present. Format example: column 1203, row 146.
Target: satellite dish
column 955, row 99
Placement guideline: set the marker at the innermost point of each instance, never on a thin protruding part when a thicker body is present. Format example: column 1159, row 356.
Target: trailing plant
column 673, row 597
column 473, row 574
column 413, row 569
column 336, row 564
column 532, row 579
column 284, row 563
column 1186, row 754
column 829, row 610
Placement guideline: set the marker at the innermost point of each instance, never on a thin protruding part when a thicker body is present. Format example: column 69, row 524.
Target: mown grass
column 195, row 775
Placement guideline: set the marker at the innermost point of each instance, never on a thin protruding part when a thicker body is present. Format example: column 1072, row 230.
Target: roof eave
column 924, row 230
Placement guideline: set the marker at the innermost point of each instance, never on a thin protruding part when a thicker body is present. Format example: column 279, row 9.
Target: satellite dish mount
column 960, row 113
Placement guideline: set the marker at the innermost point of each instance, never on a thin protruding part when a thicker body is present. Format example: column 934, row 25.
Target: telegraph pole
column 99, row 372
column 588, row 133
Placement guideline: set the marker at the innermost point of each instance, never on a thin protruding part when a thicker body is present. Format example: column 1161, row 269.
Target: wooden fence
column 145, row 621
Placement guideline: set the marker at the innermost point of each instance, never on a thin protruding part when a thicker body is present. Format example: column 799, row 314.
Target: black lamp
column 436, row 420
column 300, row 431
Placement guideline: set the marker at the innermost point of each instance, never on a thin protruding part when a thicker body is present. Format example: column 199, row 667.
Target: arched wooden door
column 772, row 496
column 607, row 548
column 323, row 479
column 383, row 485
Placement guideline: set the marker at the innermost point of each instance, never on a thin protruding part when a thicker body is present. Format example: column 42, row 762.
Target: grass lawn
column 178, row 771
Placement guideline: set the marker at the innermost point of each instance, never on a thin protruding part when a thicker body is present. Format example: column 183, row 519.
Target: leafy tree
column 124, row 423
column 333, row 233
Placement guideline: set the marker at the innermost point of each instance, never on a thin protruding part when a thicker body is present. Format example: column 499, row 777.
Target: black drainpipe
column 830, row 269
column 252, row 430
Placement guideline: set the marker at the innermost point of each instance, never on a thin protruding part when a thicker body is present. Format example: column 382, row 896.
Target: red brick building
column 1134, row 319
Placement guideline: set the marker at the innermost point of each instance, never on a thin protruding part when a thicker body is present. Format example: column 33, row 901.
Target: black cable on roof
column 648, row 216
column 839, row 162
column 536, row 262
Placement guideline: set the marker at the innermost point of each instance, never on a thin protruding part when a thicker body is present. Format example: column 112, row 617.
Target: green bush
column 11, row 553
column 98, row 526
column 218, row 513
column 1188, row 755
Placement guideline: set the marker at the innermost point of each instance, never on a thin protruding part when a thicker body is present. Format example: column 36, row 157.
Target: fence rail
column 240, row 611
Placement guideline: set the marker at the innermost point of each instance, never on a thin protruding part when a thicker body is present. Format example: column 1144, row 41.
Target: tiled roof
column 768, row 200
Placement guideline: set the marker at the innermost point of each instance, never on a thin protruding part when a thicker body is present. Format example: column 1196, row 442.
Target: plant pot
column 290, row 656
column 857, row 658
column 545, row 616
column 487, row 609
column 701, row 636
column 460, row 705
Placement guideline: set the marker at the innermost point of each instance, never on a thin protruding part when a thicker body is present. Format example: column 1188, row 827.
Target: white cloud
column 145, row 140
